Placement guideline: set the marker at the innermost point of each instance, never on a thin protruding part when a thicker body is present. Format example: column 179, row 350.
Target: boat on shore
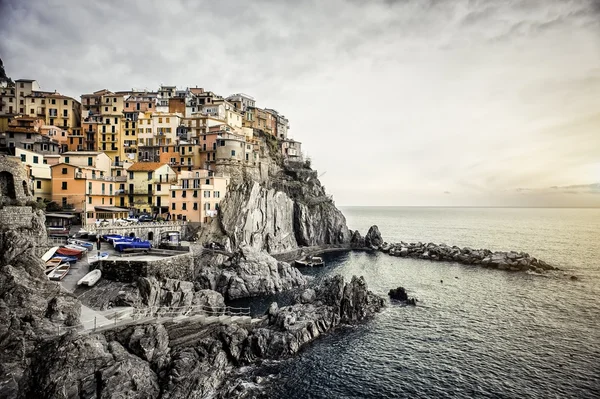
column 66, row 258
column 80, row 243
column 70, row 252
column 77, row 247
column 95, row 258
column 52, row 263
column 310, row 261
column 91, row 278
column 60, row 272
column 49, row 254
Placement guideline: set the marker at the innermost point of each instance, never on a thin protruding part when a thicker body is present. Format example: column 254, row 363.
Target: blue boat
column 112, row 237
column 137, row 243
column 81, row 243
column 66, row 258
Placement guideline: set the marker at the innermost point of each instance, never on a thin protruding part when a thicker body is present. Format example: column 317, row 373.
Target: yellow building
column 110, row 135
column 39, row 173
column 148, row 186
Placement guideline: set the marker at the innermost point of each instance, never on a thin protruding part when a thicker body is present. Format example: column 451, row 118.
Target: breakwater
column 503, row 260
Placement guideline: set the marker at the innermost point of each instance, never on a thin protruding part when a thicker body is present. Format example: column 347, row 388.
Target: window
column 90, row 161
column 217, row 194
column 207, row 194
column 32, row 111
column 64, row 171
column 66, row 159
column 130, row 175
column 65, row 102
column 105, row 109
column 158, row 187
column 64, row 185
column 89, row 200
column 159, row 120
column 149, row 175
column 172, row 207
column 167, row 120
column 172, row 194
column 53, row 101
column 38, row 184
column 183, row 206
column 207, row 181
column 116, row 120
column 233, row 153
column 65, row 113
column 23, row 158
column 35, row 159
column 64, row 201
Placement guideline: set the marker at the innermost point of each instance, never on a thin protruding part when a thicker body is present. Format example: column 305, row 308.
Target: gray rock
column 373, row 237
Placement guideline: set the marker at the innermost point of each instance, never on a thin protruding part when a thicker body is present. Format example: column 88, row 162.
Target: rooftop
column 145, row 166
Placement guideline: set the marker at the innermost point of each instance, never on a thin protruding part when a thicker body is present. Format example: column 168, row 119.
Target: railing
column 154, row 313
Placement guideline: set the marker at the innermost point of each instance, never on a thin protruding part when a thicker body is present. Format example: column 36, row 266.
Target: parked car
column 145, row 218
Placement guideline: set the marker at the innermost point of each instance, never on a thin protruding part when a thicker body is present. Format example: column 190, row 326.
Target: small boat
column 76, row 247
column 60, row 272
column 91, row 278
column 53, row 262
column 70, row 252
column 112, row 237
column 66, row 258
column 310, row 261
column 103, row 255
column 81, row 243
column 49, row 254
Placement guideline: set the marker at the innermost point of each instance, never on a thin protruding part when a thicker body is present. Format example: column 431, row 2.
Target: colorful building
column 148, row 186
column 196, row 196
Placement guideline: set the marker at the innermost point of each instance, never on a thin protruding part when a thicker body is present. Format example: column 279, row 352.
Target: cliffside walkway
column 94, row 321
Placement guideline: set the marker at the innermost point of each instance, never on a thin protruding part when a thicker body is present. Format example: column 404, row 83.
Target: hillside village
column 118, row 154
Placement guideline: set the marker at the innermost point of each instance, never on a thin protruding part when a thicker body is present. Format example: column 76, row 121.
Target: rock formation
column 186, row 359
column 400, row 294
column 283, row 209
column 31, row 306
column 249, row 272
column 373, row 238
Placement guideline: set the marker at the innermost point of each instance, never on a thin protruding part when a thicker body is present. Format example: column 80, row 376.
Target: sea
column 475, row 333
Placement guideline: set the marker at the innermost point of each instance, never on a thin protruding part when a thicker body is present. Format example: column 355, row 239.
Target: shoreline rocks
column 400, row 294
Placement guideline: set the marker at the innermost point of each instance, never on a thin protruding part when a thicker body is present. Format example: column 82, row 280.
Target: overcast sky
column 407, row 102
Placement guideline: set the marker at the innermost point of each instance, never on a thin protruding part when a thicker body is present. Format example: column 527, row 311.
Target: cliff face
column 31, row 307
column 278, row 208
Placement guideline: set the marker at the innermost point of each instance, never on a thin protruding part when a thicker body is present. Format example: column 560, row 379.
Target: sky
column 396, row 102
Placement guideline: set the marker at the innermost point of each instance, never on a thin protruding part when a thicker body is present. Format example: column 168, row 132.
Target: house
column 84, row 188
column 148, row 186
column 39, row 173
column 88, row 159
column 291, row 150
column 196, row 195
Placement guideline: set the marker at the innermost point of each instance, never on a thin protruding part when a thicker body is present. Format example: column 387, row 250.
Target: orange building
column 86, row 189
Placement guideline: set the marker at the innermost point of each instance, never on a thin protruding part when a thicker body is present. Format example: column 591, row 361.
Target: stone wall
column 31, row 224
column 125, row 270
column 14, row 182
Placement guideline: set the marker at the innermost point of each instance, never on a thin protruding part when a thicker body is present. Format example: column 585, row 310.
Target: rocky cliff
column 188, row 359
column 277, row 208
column 31, row 307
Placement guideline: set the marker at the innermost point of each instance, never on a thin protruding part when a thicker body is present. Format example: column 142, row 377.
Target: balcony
column 117, row 164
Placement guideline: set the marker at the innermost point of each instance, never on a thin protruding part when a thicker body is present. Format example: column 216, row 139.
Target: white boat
column 49, row 254
column 310, row 261
column 91, row 278
column 103, row 255
column 60, row 272
column 77, row 247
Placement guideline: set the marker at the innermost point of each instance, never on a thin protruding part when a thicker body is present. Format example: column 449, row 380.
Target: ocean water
column 481, row 333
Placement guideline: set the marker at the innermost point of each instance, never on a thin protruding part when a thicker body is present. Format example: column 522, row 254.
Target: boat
column 58, row 231
column 82, row 234
column 123, row 245
column 60, row 272
column 70, row 252
column 310, row 261
column 66, row 258
column 53, row 262
column 91, row 278
column 103, row 255
column 49, row 254
column 76, row 247
column 112, row 237
column 81, row 243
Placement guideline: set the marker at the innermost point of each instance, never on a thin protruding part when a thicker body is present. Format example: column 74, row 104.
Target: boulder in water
column 400, row 294
column 373, row 237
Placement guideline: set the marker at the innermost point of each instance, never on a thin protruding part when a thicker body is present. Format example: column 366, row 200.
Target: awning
column 113, row 209
column 60, row 215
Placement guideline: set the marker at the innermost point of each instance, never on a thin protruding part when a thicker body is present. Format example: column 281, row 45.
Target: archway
column 7, row 186
column 150, row 236
column 132, row 234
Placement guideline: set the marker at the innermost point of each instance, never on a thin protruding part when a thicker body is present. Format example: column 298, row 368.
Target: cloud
column 407, row 99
